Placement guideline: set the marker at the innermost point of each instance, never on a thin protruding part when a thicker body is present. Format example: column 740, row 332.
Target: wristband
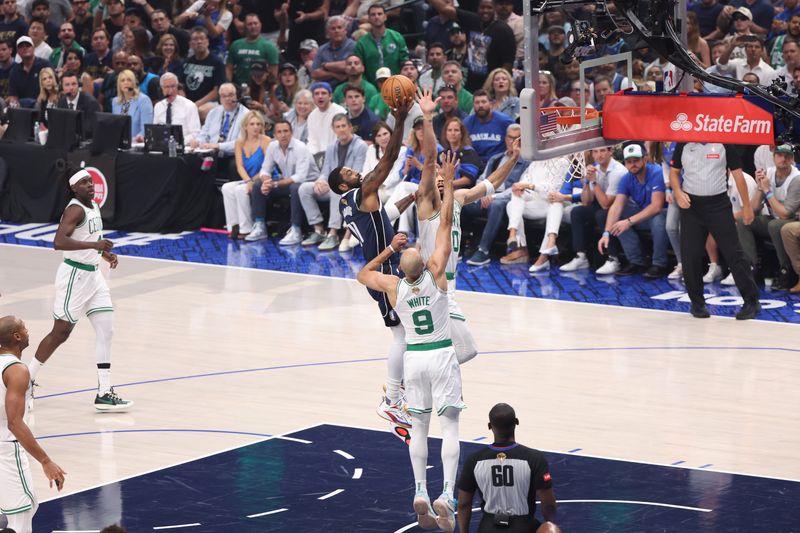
column 606, row 234
column 669, row 190
column 392, row 249
column 769, row 195
column 489, row 187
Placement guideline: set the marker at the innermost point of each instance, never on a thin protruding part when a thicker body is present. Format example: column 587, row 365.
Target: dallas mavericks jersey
column 373, row 230
column 90, row 230
column 427, row 241
column 6, row 360
column 423, row 310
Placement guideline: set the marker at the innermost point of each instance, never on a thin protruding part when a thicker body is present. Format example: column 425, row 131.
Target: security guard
column 510, row 477
column 706, row 208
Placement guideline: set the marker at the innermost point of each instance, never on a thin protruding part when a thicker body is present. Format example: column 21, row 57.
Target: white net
column 566, row 168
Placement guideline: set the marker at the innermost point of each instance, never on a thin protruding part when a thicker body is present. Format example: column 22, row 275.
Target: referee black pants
column 517, row 524
column 712, row 214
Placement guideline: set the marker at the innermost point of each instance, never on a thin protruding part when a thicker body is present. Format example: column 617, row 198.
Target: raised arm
column 491, row 183
column 377, row 281
column 427, row 195
column 444, row 239
column 372, row 181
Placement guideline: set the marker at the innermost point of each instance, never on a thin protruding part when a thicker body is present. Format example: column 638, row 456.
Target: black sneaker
column 785, row 280
column 655, row 272
column 110, row 401
column 631, row 269
column 700, row 311
column 749, row 310
column 479, row 258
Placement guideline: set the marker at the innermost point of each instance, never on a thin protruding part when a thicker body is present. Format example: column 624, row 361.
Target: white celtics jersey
column 423, row 311
column 6, row 360
column 89, row 230
column 427, row 243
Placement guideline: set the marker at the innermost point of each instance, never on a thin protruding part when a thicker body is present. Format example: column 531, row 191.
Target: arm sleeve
column 792, row 202
column 193, row 126
column 676, row 162
column 360, row 154
column 205, row 132
column 540, row 471
column 733, row 156
column 269, row 162
column 301, row 167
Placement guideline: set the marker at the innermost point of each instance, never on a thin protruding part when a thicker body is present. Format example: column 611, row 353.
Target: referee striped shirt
column 507, row 477
column 705, row 166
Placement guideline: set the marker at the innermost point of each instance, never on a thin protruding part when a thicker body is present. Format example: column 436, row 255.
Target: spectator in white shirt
column 320, row 132
column 751, row 63
column 176, row 109
column 37, row 32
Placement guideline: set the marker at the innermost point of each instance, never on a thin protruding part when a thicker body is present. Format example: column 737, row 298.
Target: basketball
column 396, row 89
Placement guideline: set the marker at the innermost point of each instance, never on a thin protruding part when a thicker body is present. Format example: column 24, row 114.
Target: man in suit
column 74, row 98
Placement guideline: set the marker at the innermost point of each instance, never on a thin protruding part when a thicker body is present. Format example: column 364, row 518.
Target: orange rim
column 570, row 114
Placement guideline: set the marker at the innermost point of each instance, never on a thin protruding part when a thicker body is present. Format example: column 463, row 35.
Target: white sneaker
column 542, row 267
column 445, row 508
column 714, row 273
column 292, row 237
column 426, row 518
column 353, row 241
column 259, row 232
column 677, row 273
column 609, row 267
column 729, row 281
column 344, row 246
column 578, row 262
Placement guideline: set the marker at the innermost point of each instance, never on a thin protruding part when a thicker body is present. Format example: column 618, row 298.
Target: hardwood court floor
column 217, row 357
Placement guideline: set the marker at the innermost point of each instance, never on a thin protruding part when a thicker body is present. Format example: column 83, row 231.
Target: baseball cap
column 258, row 66
column 633, row 150
column 24, row 39
column 308, row 44
column 566, row 101
column 784, row 149
column 321, row 85
column 383, row 73
column 454, row 27
column 746, row 13
column 288, row 66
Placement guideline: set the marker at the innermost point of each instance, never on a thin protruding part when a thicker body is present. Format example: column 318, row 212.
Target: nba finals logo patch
column 100, row 185
column 415, row 290
column 501, row 456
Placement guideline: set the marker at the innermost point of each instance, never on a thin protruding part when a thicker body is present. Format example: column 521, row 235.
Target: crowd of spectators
column 284, row 92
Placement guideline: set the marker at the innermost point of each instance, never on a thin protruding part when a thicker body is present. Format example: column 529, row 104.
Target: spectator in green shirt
column 452, row 75
column 252, row 47
column 354, row 68
column 381, row 47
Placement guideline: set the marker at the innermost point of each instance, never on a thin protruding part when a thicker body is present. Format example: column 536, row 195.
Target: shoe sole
column 443, row 519
column 425, row 518
column 479, row 263
column 112, row 408
column 389, row 417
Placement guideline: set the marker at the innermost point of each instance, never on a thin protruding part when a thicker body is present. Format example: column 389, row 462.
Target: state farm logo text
column 709, row 124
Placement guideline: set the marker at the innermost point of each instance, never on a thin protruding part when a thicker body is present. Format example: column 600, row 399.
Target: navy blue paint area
column 219, row 492
column 581, row 286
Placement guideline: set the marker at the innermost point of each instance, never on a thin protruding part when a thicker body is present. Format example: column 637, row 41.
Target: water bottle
column 36, row 130
column 173, row 146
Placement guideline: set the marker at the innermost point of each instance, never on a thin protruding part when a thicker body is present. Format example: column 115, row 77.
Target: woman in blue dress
column 129, row 101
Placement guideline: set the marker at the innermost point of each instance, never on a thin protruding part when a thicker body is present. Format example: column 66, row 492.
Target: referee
column 706, row 208
column 510, row 477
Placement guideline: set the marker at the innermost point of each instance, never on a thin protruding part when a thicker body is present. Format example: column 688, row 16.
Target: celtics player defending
column 17, row 499
column 432, row 374
column 367, row 219
column 429, row 200
column 81, row 288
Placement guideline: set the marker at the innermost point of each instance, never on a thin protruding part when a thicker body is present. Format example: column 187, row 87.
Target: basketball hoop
column 560, row 119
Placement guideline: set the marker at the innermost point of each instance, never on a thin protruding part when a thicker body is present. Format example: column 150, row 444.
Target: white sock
column 395, row 363
column 33, row 368
column 418, row 447
column 103, row 381
column 103, row 324
column 463, row 342
column 451, row 448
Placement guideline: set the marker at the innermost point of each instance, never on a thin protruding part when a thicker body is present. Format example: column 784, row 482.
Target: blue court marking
column 164, row 430
column 512, row 280
column 576, row 450
column 376, row 359
column 280, row 486
column 676, row 463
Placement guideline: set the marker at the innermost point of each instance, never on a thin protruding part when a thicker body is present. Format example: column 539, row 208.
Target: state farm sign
column 685, row 118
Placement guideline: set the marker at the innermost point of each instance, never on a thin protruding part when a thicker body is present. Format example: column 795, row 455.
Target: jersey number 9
column 423, row 322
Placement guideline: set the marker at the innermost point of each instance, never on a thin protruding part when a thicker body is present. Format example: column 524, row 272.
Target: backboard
column 599, row 41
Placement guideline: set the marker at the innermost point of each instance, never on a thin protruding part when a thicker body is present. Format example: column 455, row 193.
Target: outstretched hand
column 426, row 101
column 401, row 111
column 450, row 163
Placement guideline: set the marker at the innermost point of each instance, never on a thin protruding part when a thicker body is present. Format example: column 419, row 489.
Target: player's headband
column 78, row 176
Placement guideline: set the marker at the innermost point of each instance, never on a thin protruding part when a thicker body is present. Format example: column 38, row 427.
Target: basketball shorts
column 79, row 290
column 432, row 379
column 16, row 483
column 388, row 313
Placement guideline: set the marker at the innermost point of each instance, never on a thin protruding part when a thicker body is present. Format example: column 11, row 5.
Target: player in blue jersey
column 367, row 219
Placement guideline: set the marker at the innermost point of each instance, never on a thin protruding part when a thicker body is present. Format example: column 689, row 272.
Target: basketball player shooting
column 432, row 374
column 367, row 219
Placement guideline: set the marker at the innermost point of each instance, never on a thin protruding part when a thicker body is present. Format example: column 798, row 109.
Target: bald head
column 411, row 263
column 548, row 527
column 502, row 421
column 11, row 331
